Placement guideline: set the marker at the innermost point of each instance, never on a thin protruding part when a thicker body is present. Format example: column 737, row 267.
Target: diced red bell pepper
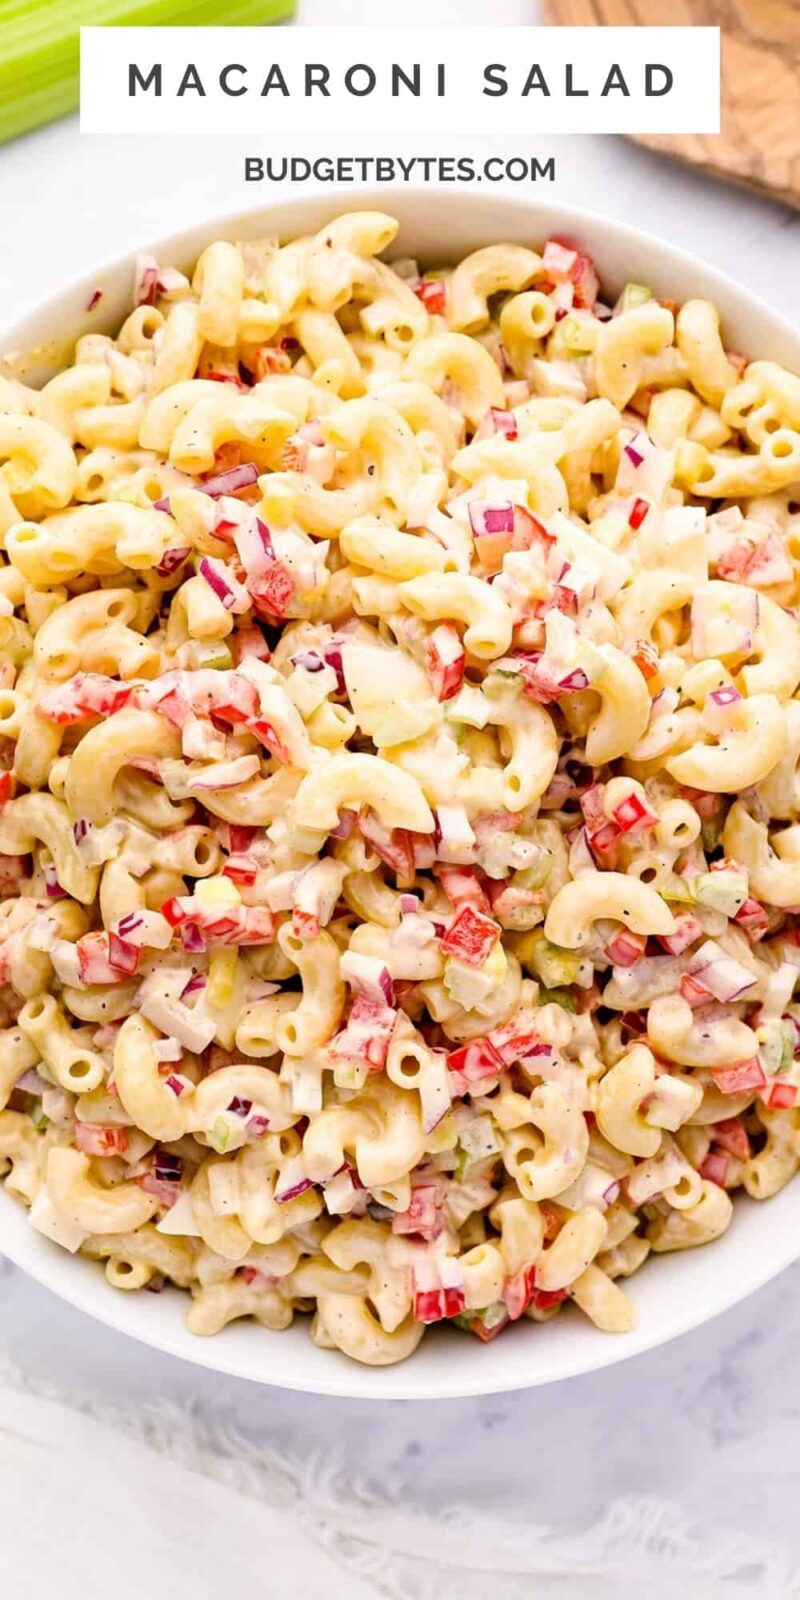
column 638, row 512
column 731, row 1135
column 433, row 294
column 6, row 787
column 269, row 736
column 366, row 1035
column 705, row 803
column 753, row 919
column 241, row 868
column 423, row 851
column 633, row 816
column 529, row 531
column 176, row 910
column 94, row 964
column 604, row 845
column 250, row 642
column 715, row 1167
column 424, row 1214
column 270, row 358
column 779, row 1096
column 96, row 1140
column 240, row 837
column 445, row 660
column 273, row 590
column 543, row 1299
column 471, row 936
column 255, row 925
column 741, row 1077
column 565, row 263
column 432, row 1305
column 602, row 832
column 515, row 1042
column 646, row 659
column 694, row 992
column 475, row 1061
column 230, row 925
column 687, row 929
column 88, row 694
column 225, row 377
column 518, row 1291
column 305, row 924
column 626, row 948
column 463, row 887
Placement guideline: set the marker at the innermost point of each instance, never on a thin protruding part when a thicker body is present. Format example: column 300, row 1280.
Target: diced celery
column 634, row 294
column 403, row 722
column 479, row 1139
column 220, row 1136
column 776, row 1043
column 557, row 997
column 554, row 966
column 679, row 889
column 215, row 655
column 723, row 891
column 492, row 1317
column 537, row 874
column 575, row 337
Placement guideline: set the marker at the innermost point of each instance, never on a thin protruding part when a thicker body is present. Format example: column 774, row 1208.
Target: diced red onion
column 309, row 660
column 256, row 1126
column 226, row 774
column 196, row 984
column 633, row 452
column 228, row 482
column 233, row 594
column 292, row 1181
column 253, row 541
column 174, row 558
column 52, row 886
column 486, row 518
column 31, row 1083
column 727, row 980
column 369, row 976
column 145, row 283
column 345, row 825
column 332, row 656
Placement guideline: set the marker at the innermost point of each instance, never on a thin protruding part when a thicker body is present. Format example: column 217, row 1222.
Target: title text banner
column 433, row 83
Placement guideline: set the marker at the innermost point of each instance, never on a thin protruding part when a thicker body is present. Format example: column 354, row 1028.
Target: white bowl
column 672, row 1293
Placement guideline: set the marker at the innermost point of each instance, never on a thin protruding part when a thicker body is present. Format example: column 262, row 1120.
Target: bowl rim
column 84, row 1286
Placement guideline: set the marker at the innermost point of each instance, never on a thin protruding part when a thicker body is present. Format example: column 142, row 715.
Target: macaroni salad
column 400, row 818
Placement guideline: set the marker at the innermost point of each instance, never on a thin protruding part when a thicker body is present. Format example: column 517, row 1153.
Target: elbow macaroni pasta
column 399, row 796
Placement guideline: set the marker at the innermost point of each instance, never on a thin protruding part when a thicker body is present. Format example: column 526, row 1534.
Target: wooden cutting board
column 760, row 140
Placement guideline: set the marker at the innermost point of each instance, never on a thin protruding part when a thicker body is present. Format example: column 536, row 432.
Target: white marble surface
column 711, row 1421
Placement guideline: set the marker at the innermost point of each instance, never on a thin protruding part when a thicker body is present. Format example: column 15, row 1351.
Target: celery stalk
column 40, row 51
